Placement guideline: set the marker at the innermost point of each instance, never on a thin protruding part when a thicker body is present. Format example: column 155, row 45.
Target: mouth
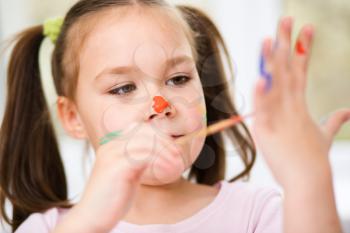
column 177, row 136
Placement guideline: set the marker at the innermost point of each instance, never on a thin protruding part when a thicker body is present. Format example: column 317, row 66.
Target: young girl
column 134, row 77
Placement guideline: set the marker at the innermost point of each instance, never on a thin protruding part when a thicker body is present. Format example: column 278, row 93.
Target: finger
column 168, row 155
column 140, row 146
column 135, row 171
column 259, row 95
column 265, row 63
column 261, row 102
column 284, row 33
column 169, row 146
column 282, row 50
column 267, row 87
column 120, row 134
column 335, row 122
column 302, row 53
column 109, row 154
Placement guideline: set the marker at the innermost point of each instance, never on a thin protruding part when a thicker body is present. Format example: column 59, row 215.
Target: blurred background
column 243, row 24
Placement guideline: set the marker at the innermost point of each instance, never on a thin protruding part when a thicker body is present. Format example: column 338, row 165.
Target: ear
column 70, row 118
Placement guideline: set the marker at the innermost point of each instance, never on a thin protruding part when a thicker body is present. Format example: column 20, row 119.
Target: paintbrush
column 226, row 123
column 214, row 128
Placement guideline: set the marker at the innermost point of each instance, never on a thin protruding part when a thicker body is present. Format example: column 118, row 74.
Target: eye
column 178, row 80
column 123, row 90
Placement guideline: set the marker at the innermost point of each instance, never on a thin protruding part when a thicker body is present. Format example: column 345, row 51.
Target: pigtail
column 211, row 50
column 32, row 176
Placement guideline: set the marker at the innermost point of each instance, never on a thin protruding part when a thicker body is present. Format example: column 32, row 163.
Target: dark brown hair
column 211, row 50
column 32, row 175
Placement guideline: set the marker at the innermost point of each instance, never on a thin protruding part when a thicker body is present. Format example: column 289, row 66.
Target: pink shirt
column 238, row 207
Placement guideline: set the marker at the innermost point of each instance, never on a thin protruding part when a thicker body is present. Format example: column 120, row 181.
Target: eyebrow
column 128, row 69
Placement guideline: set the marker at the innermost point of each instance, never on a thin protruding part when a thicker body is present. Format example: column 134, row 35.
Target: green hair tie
column 52, row 28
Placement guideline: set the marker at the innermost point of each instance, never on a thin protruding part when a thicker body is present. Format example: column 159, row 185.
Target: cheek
column 194, row 120
column 115, row 117
column 195, row 117
column 103, row 120
column 119, row 116
column 194, row 149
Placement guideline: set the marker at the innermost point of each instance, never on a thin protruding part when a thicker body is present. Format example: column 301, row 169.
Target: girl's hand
column 293, row 144
column 114, row 179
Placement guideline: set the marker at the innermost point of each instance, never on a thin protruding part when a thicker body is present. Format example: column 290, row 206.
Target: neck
column 157, row 198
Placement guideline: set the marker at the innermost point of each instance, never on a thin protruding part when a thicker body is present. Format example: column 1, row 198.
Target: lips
column 176, row 136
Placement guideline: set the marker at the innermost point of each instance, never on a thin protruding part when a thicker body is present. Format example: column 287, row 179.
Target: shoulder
column 244, row 191
column 260, row 207
column 42, row 222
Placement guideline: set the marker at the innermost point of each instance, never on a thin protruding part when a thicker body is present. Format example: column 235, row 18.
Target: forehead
column 133, row 35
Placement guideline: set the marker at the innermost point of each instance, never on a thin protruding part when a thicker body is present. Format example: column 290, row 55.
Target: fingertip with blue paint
column 265, row 74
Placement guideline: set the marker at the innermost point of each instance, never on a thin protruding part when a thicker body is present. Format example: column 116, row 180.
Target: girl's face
column 128, row 60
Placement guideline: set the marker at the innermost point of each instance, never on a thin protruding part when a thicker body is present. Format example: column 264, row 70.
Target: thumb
column 335, row 122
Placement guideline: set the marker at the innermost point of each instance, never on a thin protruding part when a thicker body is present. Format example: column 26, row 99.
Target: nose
column 161, row 108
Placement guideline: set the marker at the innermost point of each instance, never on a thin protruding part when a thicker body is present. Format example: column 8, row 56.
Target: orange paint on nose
column 159, row 104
